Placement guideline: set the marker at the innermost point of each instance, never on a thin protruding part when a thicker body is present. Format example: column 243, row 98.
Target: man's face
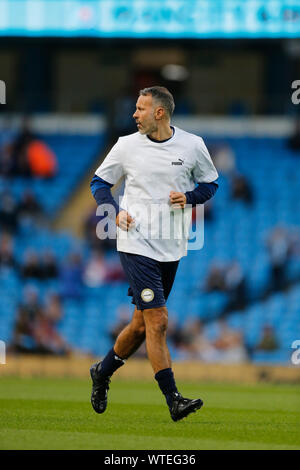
column 145, row 115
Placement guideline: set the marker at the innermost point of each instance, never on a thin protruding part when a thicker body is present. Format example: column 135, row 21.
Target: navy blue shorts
column 150, row 281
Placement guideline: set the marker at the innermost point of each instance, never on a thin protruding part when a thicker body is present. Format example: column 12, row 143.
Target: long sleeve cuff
column 202, row 193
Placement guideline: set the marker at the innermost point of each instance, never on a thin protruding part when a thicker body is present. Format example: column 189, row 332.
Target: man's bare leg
column 156, row 322
column 131, row 337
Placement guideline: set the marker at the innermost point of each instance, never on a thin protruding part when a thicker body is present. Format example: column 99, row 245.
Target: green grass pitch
column 41, row 413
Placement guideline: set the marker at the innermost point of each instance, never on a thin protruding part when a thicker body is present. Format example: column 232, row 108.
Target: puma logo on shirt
column 180, row 162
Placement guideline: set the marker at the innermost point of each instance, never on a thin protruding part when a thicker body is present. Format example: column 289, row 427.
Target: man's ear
column 159, row 112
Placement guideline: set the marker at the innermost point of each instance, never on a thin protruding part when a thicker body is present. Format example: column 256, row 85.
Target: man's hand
column 178, row 200
column 124, row 221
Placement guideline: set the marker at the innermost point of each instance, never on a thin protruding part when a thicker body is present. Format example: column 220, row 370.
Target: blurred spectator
column 208, row 211
column 231, row 280
column 23, row 336
column 279, row 244
column 215, row 279
column 200, row 347
column 41, row 159
column 35, row 328
column 14, row 155
column 192, row 343
column 30, row 213
column 31, row 267
column 115, row 272
column 229, row 346
column 223, row 158
column 42, row 268
column 189, row 339
column 122, row 120
column 47, row 338
column 181, row 336
column 174, row 332
column 28, row 156
column 22, row 340
column 8, row 212
column 293, row 141
column 49, row 265
column 70, row 276
column 96, row 270
column 29, row 206
column 269, row 341
column 241, row 189
column 5, row 162
column 7, row 258
column 235, row 286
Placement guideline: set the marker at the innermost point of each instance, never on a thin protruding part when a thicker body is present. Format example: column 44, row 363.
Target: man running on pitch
column 166, row 167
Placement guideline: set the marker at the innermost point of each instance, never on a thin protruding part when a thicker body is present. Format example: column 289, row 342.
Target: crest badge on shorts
column 147, row 295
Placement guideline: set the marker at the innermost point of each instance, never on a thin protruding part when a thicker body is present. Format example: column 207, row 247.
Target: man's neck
column 162, row 133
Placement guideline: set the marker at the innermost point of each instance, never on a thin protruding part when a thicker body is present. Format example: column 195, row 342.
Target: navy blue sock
column 166, row 382
column 110, row 363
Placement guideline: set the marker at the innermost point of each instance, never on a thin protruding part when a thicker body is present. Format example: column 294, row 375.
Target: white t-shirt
column 151, row 170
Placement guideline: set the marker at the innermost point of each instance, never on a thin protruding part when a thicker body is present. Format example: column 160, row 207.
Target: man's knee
column 156, row 319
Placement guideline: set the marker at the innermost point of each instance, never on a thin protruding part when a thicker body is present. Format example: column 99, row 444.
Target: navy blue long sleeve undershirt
column 101, row 191
column 202, row 193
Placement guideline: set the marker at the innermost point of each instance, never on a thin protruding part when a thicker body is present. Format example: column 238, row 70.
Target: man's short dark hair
column 162, row 96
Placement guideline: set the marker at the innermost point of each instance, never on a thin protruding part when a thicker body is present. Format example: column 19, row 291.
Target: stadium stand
column 52, row 194
column 237, row 232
